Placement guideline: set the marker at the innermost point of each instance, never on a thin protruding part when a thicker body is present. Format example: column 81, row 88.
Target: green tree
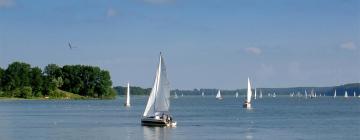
column 16, row 75
column 1, row 75
column 26, row 92
column 36, row 81
column 53, row 71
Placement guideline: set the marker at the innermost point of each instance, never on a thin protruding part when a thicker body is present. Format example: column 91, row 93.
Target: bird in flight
column 71, row 46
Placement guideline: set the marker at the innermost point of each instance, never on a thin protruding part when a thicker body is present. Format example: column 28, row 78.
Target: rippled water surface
column 280, row 118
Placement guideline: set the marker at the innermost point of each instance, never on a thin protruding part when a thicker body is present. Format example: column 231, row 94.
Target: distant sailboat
column 346, row 94
column 127, row 101
column 182, row 94
column 236, row 95
column 218, row 95
column 255, row 94
column 274, row 95
column 335, row 94
column 157, row 109
column 306, row 95
column 260, row 96
column 203, row 94
column 176, row 96
column 247, row 103
column 354, row 94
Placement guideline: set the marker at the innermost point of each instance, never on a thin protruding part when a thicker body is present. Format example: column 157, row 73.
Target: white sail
column 236, row 95
column 127, row 103
column 249, row 92
column 335, row 93
column 218, row 95
column 175, row 96
column 255, row 94
column 354, row 94
column 159, row 97
column 274, row 94
column 203, row 94
column 260, row 96
column 346, row 94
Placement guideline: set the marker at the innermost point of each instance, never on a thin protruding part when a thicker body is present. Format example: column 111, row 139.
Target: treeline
column 20, row 80
column 328, row 91
column 134, row 90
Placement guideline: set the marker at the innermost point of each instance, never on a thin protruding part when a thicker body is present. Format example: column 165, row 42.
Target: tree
column 36, row 81
column 26, row 92
column 16, row 75
column 53, row 71
column 1, row 75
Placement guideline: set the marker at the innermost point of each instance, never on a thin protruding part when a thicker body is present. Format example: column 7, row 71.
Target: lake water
column 280, row 118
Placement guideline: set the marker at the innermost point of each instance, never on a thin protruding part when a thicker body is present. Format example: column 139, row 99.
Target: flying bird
column 71, row 46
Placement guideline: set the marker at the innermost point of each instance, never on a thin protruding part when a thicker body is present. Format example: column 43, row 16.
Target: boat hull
column 150, row 121
column 247, row 105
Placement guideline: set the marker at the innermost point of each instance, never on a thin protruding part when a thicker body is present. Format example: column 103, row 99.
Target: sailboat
column 127, row 101
column 157, row 109
column 182, row 94
column 354, row 94
column 176, row 96
column 247, row 103
column 203, row 94
column 335, row 94
column 274, row 95
column 218, row 95
column 260, row 96
column 346, row 94
column 236, row 95
column 255, row 94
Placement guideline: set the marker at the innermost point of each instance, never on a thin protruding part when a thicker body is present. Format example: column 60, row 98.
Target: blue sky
column 206, row 43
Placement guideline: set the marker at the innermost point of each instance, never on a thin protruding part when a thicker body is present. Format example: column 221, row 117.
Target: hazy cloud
column 253, row 50
column 111, row 12
column 348, row 46
column 159, row 1
column 6, row 3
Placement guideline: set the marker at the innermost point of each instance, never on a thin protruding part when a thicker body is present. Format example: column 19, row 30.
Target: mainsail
column 218, row 95
column 127, row 103
column 160, row 93
column 249, row 92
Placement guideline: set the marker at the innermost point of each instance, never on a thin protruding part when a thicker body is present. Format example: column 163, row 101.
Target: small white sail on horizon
column 274, row 95
column 354, row 94
column 260, row 96
column 176, row 96
column 203, row 94
column 247, row 103
column 335, row 93
column 255, row 94
column 346, row 94
column 127, row 101
column 236, row 95
column 218, row 95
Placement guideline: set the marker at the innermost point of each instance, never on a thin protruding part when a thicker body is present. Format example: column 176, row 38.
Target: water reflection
column 157, row 133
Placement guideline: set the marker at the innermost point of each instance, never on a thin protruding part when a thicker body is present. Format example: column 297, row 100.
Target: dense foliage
column 23, row 81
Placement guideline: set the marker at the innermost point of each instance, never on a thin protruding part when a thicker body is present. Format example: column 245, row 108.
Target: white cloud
column 111, row 12
column 348, row 46
column 159, row 1
column 6, row 3
column 253, row 50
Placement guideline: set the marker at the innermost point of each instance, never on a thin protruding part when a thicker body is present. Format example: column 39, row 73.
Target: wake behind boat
column 157, row 109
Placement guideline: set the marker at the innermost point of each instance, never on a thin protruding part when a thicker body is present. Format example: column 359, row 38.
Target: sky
column 205, row 43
